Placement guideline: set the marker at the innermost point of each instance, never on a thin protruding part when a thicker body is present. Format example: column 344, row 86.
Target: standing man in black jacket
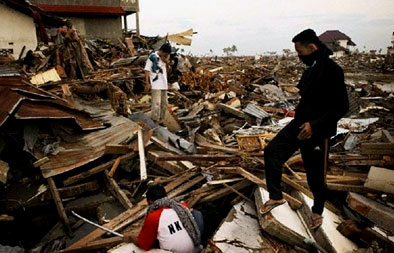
column 323, row 102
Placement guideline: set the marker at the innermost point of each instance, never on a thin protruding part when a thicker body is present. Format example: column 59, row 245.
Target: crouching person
column 170, row 223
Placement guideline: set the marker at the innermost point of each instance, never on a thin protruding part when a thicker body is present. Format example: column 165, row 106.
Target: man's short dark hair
column 155, row 192
column 166, row 48
column 306, row 37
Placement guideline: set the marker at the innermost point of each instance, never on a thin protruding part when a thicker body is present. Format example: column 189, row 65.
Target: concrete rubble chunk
column 240, row 231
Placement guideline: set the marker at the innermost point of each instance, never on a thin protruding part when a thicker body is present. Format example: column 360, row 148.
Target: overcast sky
column 257, row 26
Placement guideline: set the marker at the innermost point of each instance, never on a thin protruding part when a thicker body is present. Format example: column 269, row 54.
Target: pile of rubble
column 76, row 139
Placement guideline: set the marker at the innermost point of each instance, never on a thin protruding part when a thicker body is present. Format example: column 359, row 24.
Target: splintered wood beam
column 71, row 191
column 225, row 191
column 94, row 245
column 379, row 148
column 95, row 170
column 117, row 192
column 169, row 157
column 170, row 166
column 117, row 149
column 238, row 193
column 114, row 167
column 59, row 205
column 141, row 152
column 387, row 136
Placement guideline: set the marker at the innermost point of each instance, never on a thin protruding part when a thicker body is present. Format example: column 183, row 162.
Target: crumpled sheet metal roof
column 13, row 91
column 90, row 146
column 37, row 110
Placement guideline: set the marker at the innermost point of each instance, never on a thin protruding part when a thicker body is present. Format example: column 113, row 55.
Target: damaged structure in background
column 76, row 140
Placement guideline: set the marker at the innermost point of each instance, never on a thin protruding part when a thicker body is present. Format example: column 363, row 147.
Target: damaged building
column 99, row 19
column 78, row 148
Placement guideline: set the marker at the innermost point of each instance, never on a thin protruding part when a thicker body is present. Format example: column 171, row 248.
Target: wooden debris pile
column 209, row 152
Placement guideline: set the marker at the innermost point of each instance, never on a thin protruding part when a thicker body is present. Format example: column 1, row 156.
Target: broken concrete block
column 240, row 231
column 282, row 222
column 381, row 215
column 380, row 179
column 327, row 235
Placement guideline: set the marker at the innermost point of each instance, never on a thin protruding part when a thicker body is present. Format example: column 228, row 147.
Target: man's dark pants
column 314, row 152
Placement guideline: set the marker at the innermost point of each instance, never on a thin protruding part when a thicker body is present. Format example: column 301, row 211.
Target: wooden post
column 59, row 205
column 117, row 192
column 141, row 151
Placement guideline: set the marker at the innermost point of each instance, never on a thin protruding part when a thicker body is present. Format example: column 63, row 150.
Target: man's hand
column 306, row 131
column 130, row 237
column 147, row 87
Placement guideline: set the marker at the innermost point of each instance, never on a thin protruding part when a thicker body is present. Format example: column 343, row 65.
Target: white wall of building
column 339, row 53
column 343, row 43
column 17, row 30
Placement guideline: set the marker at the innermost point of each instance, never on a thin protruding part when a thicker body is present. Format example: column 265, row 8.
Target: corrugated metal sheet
column 38, row 110
column 37, row 103
column 82, row 9
column 89, row 147
column 6, row 71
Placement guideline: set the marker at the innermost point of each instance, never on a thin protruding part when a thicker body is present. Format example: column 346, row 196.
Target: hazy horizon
column 258, row 26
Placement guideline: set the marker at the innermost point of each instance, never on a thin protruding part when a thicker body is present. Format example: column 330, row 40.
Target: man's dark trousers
column 314, row 152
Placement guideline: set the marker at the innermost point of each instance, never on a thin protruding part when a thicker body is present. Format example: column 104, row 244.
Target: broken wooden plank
column 40, row 162
column 185, row 186
column 117, row 192
column 231, row 110
column 171, row 121
column 282, row 222
column 117, row 149
column 379, row 148
column 96, row 170
column 167, row 147
column 75, row 190
column 171, row 166
column 114, row 167
column 141, row 152
column 387, row 137
column 145, row 140
column 380, row 179
column 344, row 187
column 95, row 245
column 202, row 142
column 170, row 157
column 59, row 205
column 294, row 202
column 237, row 192
column 363, row 160
column 381, row 215
column 4, row 168
column 225, row 191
